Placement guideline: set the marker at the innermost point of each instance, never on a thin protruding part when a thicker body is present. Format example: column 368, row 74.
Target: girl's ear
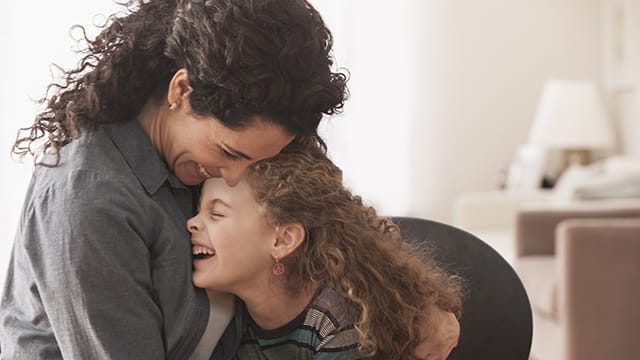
column 289, row 237
column 179, row 88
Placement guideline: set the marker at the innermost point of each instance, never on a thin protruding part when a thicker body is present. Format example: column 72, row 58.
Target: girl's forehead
column 217, row 188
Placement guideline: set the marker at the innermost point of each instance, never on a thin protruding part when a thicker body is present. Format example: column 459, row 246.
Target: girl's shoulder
column 329, row 306
column 331, row 317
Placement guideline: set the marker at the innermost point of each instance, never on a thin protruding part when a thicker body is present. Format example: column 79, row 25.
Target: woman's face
column 231, row 239
column 197, row 148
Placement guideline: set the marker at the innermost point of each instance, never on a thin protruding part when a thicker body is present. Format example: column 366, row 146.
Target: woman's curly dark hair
column 243, row 57
column 388, row 281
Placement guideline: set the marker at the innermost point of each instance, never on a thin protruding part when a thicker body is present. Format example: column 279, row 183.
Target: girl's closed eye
column 216, row 214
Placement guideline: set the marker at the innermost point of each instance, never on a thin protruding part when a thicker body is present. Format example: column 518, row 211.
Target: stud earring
column 173, row 106
column 278, row 268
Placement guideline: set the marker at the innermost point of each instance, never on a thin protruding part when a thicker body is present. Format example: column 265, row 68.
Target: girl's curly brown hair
column 387, row 281
column 244, row 57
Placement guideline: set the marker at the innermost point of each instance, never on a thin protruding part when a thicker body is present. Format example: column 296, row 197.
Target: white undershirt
column 221, row 310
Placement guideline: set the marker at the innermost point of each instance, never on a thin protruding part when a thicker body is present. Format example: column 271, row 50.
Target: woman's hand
column 444, row 331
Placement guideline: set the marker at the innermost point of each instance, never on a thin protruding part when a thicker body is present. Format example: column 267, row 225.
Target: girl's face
column 231, row 239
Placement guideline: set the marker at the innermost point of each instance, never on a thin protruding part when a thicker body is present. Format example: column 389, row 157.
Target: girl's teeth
column 201, row 250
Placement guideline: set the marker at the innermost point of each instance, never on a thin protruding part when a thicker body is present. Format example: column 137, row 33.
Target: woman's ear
column 289, row 237
column 179, row 88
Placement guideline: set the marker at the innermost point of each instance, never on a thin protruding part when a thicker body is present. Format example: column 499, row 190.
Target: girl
column 320, row 275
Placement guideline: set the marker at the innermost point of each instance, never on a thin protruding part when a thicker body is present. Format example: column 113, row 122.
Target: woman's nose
column 233, row 175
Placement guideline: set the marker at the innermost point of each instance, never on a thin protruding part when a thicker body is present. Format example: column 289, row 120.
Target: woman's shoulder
column 91, row 171
column 91, row 151
column 101, row 158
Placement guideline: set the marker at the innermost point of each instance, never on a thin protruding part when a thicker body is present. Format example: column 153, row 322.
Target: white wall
column 444, row 91
column 625, row 100
column 369, row 140
column 33, row 34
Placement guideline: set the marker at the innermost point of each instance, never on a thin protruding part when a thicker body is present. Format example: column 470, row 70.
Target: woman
column 320, row 275
column 166, row 96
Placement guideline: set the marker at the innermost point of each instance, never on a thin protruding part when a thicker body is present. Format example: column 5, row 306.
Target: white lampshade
column 571, row 115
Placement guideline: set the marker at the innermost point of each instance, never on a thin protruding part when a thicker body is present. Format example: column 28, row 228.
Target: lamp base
column 577, row 156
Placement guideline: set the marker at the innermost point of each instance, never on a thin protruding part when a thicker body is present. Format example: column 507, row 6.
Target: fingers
column 440, row 354
column 441, row 336
column 431, row 351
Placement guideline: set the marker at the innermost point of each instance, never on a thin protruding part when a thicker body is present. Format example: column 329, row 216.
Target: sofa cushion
column 539, row 277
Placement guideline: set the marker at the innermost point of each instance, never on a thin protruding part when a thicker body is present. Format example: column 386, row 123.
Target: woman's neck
column 151, row 119
column 275, row 307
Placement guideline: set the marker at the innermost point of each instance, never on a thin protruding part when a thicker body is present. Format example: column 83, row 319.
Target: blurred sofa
column 580, row 265
column 576, row 249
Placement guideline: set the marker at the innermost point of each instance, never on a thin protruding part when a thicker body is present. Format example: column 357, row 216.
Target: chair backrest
column 496, row 322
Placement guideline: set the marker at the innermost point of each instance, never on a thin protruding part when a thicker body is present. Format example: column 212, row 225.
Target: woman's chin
column 190, row 180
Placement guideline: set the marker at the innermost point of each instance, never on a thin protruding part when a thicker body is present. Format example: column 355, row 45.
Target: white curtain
column 33, row 35
column 370, row 141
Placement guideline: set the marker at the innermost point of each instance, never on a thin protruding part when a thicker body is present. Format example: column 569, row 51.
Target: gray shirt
column 101, row 263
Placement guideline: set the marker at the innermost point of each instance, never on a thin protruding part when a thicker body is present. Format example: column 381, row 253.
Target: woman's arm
column 84, row 277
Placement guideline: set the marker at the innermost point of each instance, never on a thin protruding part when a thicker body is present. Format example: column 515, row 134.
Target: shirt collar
column 143, row 159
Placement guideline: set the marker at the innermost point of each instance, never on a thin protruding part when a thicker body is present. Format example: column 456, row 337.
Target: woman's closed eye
column 229, row 155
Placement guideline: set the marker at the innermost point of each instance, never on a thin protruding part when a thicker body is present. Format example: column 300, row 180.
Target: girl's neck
column 275, row 307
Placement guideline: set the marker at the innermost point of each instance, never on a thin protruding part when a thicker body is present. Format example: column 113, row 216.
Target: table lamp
column 571, row 117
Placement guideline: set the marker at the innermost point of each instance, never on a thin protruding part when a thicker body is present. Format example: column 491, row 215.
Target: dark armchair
column 496, row 323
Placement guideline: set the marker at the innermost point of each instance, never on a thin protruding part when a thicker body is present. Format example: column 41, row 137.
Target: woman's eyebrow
column 236, row 152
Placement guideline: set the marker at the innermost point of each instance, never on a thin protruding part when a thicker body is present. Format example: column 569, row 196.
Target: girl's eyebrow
column 218, row 200
column 211, row 202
